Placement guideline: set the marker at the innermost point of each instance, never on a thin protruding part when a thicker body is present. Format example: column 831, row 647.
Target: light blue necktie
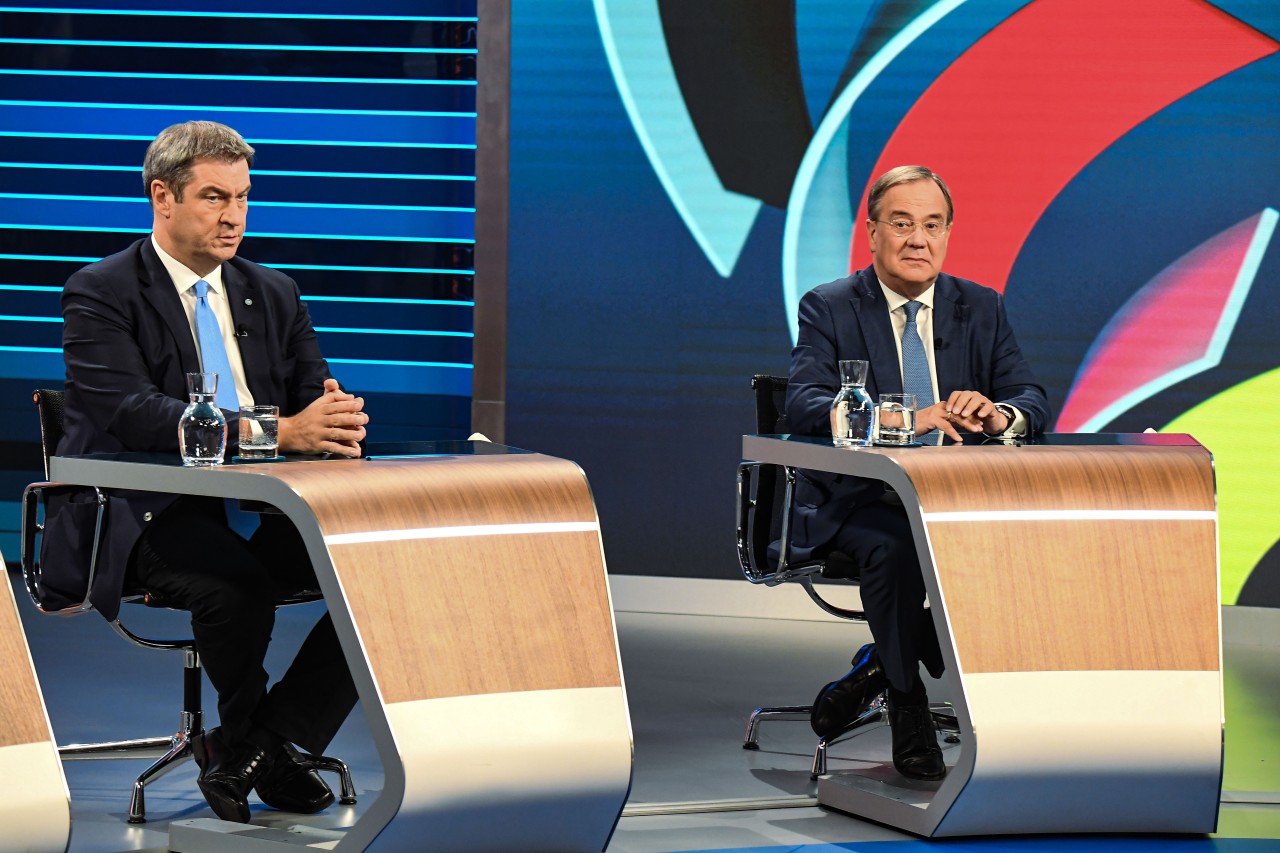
column 915, row 365
column 213, row 352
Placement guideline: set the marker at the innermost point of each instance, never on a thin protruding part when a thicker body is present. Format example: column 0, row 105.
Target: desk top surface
column 1053, row 439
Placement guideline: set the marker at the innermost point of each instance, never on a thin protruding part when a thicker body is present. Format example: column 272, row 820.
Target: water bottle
column 851, row 410
column 202, row 430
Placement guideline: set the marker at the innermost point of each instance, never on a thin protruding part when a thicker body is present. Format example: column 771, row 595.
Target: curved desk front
column 1074, row 587
column 467, row 585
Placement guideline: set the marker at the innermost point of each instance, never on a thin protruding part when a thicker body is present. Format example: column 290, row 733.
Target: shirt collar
column 183, row 277
column 897, row 300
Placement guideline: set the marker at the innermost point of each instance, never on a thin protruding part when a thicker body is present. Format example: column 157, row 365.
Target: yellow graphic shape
column 1236, row 426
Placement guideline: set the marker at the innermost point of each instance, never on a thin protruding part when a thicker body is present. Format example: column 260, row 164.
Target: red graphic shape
column 1167, row 326
column 1020, row 113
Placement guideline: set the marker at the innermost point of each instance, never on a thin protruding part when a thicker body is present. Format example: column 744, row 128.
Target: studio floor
column 691, row 681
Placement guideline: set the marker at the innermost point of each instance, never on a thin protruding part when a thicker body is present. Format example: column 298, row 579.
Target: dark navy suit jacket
column 128, row 345
column 974, row 350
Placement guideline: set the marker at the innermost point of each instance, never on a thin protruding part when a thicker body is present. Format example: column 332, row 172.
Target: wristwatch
column 1009, row 412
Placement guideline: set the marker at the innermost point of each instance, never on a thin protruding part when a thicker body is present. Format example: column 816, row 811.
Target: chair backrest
column 770, row 496
column 49, row 405
column 771, row 404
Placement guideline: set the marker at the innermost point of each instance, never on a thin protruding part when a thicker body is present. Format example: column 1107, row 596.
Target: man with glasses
column 946, row 340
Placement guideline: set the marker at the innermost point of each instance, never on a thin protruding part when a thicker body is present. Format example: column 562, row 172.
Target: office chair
column 763, row 518
column 169, row 751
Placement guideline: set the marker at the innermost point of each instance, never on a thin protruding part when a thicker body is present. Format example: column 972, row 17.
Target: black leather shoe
column 840, row 702
column 227, row 775
column 292, row 786
column 916, row 754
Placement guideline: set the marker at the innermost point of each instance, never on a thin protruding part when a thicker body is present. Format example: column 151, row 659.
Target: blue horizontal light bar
column 185, row 45
column 389, row 300
column 168, row 13
column 86, row 167
column 343, row 330
column 282, row 218
column 79, row 259
column 303, row 124
column 45, row 350
column 36, row 288
column 323, row 111
column 239, row 78
column 424, row 270
column 36, row 134
column 274, row 234
column 27, row 226
column 376, row 361
column 55, row 197
column 26, row 318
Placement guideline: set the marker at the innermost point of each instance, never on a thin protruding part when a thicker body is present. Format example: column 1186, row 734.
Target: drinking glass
column 259, row 432
column 896, row 420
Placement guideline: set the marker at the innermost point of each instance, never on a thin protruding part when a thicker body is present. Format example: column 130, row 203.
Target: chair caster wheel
column 752, row 745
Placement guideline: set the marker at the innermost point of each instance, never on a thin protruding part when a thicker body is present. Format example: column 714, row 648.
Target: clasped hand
column 333, row 423
column 967, row 410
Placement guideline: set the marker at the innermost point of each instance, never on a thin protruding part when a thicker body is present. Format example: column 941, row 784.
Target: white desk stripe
column 1075, row 515
column 467, row 530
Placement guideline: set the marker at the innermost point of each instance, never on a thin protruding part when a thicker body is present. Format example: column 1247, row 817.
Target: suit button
column 146, row 516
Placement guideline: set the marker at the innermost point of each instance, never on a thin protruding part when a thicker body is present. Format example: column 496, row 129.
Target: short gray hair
column 905, row 175
column 172, row 154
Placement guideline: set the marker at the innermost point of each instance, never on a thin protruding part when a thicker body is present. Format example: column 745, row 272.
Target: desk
column 467, row 584
column 1077, row 606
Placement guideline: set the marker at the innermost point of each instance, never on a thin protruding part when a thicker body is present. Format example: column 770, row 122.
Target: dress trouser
column 878, row 538
column 196, row 562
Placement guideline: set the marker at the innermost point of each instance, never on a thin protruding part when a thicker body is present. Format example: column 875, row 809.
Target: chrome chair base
column 944, row 720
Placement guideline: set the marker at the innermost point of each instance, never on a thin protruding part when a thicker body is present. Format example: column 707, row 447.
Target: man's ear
column 162, row 200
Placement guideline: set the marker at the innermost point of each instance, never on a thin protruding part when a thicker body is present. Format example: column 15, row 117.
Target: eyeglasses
column 905, row 227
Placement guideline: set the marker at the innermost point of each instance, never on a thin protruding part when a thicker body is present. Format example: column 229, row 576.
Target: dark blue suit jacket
column 128, row 345
column 974, row 349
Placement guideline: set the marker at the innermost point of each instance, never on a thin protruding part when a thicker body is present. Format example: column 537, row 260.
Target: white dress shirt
column 184, row 280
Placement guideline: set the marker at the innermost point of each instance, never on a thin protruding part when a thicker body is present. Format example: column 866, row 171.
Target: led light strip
column 467, row 530
column 1075, row 515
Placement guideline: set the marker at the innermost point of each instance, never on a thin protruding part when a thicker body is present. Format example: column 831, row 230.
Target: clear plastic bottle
column 851, row 410
column 202, row 430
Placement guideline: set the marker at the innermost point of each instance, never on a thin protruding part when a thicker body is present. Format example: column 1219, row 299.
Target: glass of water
column 896, row 420
column 259, row 432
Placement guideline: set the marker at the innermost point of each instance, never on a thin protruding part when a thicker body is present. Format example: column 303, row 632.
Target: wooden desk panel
column 1023, row 596
column 21, row 705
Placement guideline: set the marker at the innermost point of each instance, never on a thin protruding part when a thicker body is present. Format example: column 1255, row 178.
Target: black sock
column 265, row 740
column 915, row 696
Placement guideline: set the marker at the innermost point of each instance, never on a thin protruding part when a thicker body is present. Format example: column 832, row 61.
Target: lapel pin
column 248, row 302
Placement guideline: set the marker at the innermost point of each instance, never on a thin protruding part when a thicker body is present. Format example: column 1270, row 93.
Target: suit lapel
column 159, row 291
column 950, row 330
column 245, row 300
column 884, row 375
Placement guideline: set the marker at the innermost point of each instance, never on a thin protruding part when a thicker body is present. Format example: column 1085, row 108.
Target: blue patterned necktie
column 213, row 352
column 915, row 365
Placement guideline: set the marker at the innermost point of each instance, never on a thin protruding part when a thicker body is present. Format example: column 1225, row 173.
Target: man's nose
column 234, row 214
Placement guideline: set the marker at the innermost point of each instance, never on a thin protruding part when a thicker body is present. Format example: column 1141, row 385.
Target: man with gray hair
column 947, row 341
column 135, row 323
